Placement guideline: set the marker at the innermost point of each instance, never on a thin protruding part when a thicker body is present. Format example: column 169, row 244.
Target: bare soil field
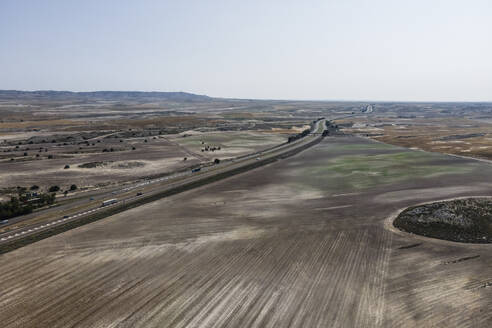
column 301, row 243
column 224, row 145
column 109, row 138
column 106, row 160
column 451, row 135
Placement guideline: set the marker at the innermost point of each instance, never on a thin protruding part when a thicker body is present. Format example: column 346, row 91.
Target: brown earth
column 295, row 243
column 450, row 135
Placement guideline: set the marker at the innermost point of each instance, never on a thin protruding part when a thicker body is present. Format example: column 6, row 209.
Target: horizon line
column 260, row 99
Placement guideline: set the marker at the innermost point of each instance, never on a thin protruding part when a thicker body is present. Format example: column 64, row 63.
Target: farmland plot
column 298, row 243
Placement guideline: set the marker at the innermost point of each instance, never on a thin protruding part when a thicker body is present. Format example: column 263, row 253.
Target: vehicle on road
column 139, row 193
column 196, row 170
column 4, row 221
column 65, row 216
column 109, row 202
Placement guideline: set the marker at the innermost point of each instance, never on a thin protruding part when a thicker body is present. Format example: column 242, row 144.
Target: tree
column 216, row 161
column 34, row 187
column 67, row 167
column 73, row 187
column 54, row 189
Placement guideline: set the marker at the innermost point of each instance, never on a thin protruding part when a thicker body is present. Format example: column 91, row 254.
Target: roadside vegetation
column 24, row 203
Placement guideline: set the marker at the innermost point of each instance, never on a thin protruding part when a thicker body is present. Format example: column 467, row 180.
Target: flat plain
column 303, row 242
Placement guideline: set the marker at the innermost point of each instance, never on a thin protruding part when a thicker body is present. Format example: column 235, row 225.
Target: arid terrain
column 108, row 138
column 463, row 129
column 305, row 241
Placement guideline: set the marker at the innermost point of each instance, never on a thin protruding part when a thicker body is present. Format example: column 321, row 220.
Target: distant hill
column 102, row 95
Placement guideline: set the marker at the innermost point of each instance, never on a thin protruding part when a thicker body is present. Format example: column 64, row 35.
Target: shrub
column 73, row 187
column 54, row 189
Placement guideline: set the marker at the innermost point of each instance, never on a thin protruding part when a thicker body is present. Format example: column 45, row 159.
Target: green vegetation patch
column 366, row 171
column 230, row 140
column 361, row 146
column 463, row 220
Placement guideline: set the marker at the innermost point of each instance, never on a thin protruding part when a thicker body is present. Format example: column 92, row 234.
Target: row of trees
column 24, row 205
column 299, row 135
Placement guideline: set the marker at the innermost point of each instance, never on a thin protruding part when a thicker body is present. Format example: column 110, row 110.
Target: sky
column 419, row 50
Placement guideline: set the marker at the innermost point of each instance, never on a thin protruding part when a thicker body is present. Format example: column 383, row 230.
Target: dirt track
column 299, row 243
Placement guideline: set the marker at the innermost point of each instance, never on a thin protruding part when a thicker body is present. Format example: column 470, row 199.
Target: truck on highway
column 109, row 202
column 196, row 169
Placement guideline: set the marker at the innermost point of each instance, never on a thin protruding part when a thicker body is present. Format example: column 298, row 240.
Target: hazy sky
column 346, row 49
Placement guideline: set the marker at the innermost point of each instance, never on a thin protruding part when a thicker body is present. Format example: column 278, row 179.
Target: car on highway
column 4, row 221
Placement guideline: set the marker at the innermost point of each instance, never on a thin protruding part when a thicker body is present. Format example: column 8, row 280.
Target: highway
column 128, row 195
